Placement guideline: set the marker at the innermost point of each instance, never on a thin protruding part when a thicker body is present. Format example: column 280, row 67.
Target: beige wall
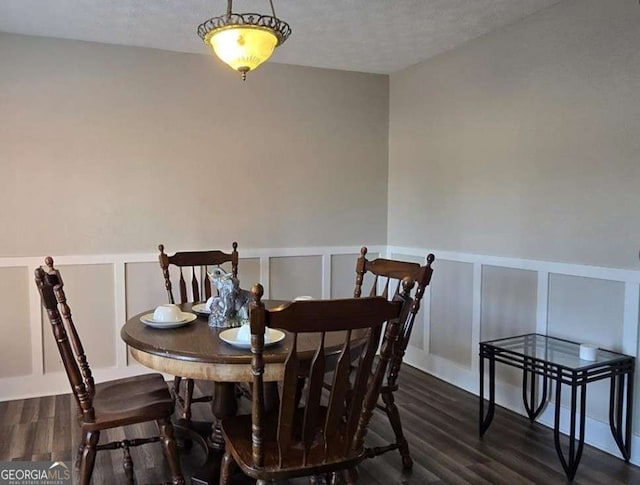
column 141, row 146
column 524, row 143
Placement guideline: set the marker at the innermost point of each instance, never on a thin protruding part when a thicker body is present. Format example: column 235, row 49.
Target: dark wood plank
column 13, row 411
column 23, row 436
column 62, row 423
column 30, row 411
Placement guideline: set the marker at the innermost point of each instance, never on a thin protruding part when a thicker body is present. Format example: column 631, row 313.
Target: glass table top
column 553, row 350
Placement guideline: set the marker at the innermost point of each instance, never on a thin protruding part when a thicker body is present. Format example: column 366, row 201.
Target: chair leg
column 170, row 450
column 350, row 476
column 396, row 424
column 318, row 480
column 188, row 397
column 299, row 389
column 226, row 469
column 88, row 458
column 127, row 465
column 176, row 386
column 79, row 454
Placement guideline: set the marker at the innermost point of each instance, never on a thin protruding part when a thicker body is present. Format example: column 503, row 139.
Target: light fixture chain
column 230, row 8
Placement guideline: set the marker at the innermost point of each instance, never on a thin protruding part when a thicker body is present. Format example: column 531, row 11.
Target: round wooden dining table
column 196, row 351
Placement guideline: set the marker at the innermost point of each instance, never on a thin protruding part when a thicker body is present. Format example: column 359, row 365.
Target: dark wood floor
column 440, row 422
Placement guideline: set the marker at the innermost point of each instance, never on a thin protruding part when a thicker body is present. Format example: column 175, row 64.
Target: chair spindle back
column 198, row 261
column 384, row 271
column 334, row 428
column 51, row 288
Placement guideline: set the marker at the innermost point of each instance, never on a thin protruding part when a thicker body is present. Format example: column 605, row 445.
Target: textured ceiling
column 379, row 36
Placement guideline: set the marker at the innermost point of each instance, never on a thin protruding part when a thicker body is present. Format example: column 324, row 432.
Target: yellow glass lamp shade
column 244, row 40
column 243, row 47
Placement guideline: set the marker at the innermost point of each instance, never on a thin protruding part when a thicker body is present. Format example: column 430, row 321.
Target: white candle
column 588, row 352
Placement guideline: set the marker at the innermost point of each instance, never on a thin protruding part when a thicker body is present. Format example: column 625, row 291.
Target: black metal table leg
column 485, row 421
column 545, row 360
column 616, row 405
column 529, row 399
column 481, row 393
column 571, row 462
column 629, row 421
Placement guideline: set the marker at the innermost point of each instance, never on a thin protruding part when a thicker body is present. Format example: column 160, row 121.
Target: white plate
column 201, row 309
column 229, row 336
column 186, row 318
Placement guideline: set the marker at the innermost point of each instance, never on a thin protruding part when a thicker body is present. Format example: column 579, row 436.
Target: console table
column 558, row 361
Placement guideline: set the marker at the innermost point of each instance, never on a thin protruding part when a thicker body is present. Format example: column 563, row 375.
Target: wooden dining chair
column 197, row 263
column 110, row 404
column 324, row 435
column 387, row 274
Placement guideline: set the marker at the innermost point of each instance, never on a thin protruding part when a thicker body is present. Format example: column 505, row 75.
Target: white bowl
column 244, row 333
column 168, row 313
column 230, row 336
column 303, row 298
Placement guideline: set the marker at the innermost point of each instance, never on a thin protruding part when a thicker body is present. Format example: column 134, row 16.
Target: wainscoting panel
column 90, row 289
column 145, row 287
column 451, row 312
column 587, row 309
column 509, row 306
column 15, row 334
column 248, row 272
column 472, row 297
column 343, row 274
column 295, row 276
column 105, row 289
column 420, row 333
column 509, row 301
column 513, row 296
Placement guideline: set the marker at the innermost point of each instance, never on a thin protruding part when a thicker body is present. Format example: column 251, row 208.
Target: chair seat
column 237, row 434
column 130, row 400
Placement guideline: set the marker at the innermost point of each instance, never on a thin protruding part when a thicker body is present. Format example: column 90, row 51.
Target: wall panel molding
column 39, row 383
column 508, row 395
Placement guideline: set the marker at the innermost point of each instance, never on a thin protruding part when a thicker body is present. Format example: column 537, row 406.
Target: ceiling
column 378, row 36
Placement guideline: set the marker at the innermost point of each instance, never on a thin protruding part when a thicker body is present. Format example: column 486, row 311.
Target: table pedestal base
column 224, row 405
